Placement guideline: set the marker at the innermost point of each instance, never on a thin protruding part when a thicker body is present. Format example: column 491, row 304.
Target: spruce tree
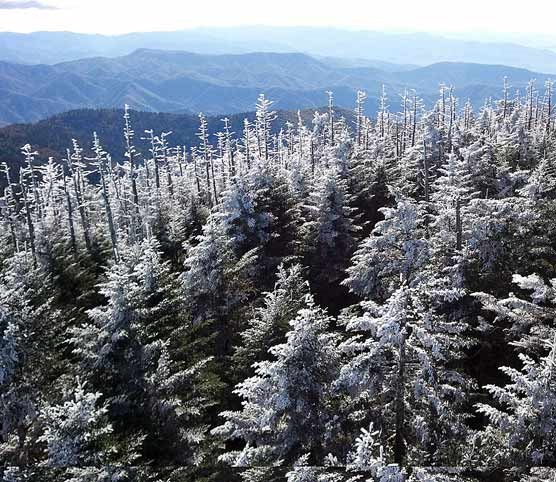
column 287, row 403
column 399, row 375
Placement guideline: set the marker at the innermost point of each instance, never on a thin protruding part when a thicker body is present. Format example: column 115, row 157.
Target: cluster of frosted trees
column 349, row 299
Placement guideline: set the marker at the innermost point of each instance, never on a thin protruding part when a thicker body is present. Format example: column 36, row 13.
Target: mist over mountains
column 184, row 82
column 399, row 48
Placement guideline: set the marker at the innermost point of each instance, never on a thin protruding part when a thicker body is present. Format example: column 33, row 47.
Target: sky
column 438, row 16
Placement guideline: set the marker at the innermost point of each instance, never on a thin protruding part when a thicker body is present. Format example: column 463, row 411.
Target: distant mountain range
column 183, row 82
column 409, row 48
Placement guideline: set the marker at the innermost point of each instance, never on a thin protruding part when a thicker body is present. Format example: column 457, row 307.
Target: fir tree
column 401, row 368
column 330, row 231
column 521, row 426
column 397, row 249
column 270, row 322
column 286, row 404
column 76, row 431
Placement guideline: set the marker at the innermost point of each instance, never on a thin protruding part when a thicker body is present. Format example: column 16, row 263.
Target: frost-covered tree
column 131, row 349
column 329, row 229
column 395, row 252
column 286, row 408
column 368, row 457
column 75, row 431
column 242, row 220
column 258, row 214
column 180, row 384
column 270, row 322
column 523, row 428
column 399, row 374
column 522, row 424
column 160, row 281
column 542, row 181
column 110, row 352
column 451, row 194
column 264, row 118
column 27, row 338
column 302, row 471
column 210, row 283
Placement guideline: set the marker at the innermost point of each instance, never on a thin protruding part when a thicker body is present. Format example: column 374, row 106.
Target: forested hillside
column 310, row 300
column 50, row 137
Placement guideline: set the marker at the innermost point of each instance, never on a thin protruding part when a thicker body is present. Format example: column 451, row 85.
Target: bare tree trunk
column 154, row 153
column 414, row 129
column 109, row 217
column 130, row 154
column 29, row 159
column 530, row 106
column 247, row 142
column 331, row 116
column 9, row 196
column 426, row 185
column 404, row 130
column 426, row 173
column 397, row 135
column 79, row 198
column 197, row 182
column 169, row 179
column 70, row 216
column 459, row 228
column 12, row 228
column 28, row 218
column 209, row 197
column 312, row 157
column 399, row 439
column 549, row 106
column 214, row 183
column 100, row 160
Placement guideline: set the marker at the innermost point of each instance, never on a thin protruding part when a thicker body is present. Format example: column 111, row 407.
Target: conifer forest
column 350, row 298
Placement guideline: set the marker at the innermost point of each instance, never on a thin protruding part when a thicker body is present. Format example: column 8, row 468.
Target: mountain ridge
column 398, row 48
column 169, row 81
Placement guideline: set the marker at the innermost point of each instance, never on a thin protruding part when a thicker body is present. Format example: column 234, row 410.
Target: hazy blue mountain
column 175, row 81
column 355, row 62
column 55, row 47
column 459, row 74
column 163, row 81
column 414, row 48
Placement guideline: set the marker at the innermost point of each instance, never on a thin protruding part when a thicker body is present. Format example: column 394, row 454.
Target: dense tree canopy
column 326, row 300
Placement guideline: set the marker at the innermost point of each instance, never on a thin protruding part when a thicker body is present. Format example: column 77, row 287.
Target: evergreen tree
column 134, row 296
column 397, row 249
column 368, row 457
column 329, row 230
column 523, row 428
column 286, row 404
column 270, row 323
column 76, row 432
column 207, row 274
column 522, row 424
column 399, row 374
column 27, row 338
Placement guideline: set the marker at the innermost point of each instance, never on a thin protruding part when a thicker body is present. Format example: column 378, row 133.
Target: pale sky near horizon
column 120, row 16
